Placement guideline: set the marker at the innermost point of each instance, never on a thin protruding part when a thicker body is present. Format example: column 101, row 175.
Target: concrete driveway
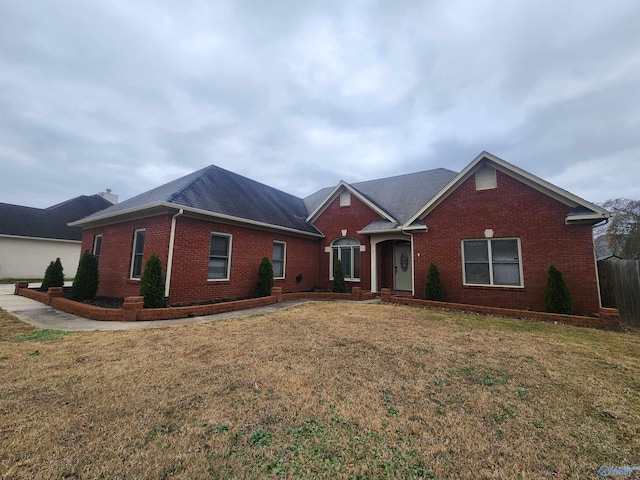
column 43, row 316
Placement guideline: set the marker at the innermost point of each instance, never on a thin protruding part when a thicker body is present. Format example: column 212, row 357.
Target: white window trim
column 491, row 284
column 284, row 259
column 133, row 253
column 353, row 252
column 230, row 237
column 95, row 240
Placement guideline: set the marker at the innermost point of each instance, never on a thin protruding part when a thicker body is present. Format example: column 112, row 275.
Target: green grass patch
column 46, row 334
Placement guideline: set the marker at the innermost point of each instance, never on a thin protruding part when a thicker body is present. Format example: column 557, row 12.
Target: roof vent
column 486, row 178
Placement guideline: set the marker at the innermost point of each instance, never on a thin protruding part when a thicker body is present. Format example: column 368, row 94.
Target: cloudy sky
column 128, row 95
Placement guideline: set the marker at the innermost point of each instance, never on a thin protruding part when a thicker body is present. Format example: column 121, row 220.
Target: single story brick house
column 492, row 230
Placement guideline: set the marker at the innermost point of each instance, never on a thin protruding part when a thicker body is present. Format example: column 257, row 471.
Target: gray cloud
column 298, row 95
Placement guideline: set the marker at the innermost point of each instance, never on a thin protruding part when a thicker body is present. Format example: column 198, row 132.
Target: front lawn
column 322, row 390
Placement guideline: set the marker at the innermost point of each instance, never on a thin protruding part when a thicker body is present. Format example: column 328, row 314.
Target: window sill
column 516, row 288
column 133, row 281
column 218, row 280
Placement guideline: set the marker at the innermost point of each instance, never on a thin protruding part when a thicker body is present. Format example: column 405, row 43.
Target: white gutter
column 85, row 221
column 172, row 237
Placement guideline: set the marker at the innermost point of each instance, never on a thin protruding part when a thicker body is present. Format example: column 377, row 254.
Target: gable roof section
column 581, row 209
column 397, row 197
column 216, row 192
column 51, row 222
column 334, row 194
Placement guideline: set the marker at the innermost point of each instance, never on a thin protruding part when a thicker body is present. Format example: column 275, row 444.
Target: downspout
column 172, row 237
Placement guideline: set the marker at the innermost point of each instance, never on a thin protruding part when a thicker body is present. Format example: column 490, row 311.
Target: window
column 138, row 248
column 97, row 245
column 347, row 250
column 219, row 257
column 278, row 259
column 492, row 262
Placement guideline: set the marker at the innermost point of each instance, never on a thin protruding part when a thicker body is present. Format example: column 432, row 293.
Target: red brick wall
column 189, row 282
column 513, row 209
column 191, row 256
column 352, row 218
column 117, row 246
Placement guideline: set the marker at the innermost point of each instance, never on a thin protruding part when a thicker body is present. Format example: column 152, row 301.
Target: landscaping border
column 607, row 317
column 132, row 309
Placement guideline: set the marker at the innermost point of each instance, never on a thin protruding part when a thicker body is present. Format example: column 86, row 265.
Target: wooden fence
column 620, row 287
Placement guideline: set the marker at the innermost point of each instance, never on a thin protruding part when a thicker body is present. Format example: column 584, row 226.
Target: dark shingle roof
column 49, row 222
column 401, row 196
column 219, row 191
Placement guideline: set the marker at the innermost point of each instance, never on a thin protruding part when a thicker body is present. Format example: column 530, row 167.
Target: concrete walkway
column 43, row 316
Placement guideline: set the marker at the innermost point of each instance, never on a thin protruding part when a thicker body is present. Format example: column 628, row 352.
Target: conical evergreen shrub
column 433, row 285
column 85, row 285
column 338, row 285
column 53, row 276
column 557, row 298
column 265, row 278
column 152, row 283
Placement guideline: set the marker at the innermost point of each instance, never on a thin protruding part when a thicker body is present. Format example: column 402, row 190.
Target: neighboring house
column 30, row 238
column 492, row 230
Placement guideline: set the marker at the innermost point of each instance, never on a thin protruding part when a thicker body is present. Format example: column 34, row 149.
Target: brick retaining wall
column 133, row 311
column 607, row 318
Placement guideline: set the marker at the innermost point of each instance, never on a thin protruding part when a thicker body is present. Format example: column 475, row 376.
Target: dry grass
column 324, row 390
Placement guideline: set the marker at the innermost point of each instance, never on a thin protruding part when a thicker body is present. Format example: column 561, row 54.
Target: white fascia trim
column 334, row 193
column 376, row 232
column 99, row 218
column 207, row 213
column 505, row 167
column 43, row 239
column 581, row 218
column 244, row 220
column 417, row 228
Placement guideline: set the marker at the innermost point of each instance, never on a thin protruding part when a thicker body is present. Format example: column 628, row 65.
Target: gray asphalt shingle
column 50, row 222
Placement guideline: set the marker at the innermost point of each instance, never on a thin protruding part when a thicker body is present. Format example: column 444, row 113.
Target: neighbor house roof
column 216, row 192
column 20, row 221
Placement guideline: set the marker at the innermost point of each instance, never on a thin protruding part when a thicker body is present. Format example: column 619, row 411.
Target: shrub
column 53, row 276
column 338, row 285
column 557, row 298
column 433, row 285
column 152, row 283
column 265, row 278
column 85, row 285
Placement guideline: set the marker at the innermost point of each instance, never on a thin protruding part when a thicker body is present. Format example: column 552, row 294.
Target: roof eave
column 46, row 239
column 95, row 221
column 590, row 218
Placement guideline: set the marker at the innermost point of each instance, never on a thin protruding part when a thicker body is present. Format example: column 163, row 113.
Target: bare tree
column 623, row 230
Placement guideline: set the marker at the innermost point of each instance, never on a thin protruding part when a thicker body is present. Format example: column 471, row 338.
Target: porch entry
column 402, row 272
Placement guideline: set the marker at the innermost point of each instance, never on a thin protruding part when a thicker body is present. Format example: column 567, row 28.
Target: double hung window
column 138, row 249
column 278, row 259
column 219, row 257
column 97, row 246
column 493, row 262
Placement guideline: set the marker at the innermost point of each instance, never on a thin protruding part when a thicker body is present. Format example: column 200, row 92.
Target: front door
column 402, row 267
